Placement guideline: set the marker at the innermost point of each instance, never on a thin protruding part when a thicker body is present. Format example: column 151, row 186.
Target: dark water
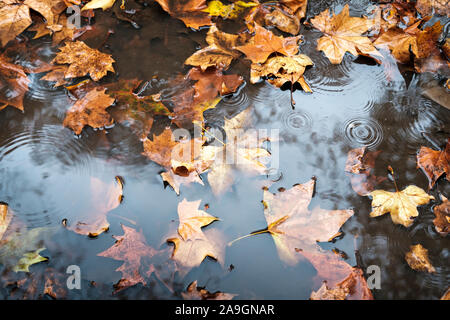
column 45, row 170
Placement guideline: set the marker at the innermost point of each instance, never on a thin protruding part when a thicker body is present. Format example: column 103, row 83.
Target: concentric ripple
column 361, row 132
column 297, row 120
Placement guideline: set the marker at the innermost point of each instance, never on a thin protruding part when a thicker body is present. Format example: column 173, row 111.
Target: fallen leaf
column 192, row 220
column 430, row 7
column 358, row 168
column 294, row 227
column 189, row 11
column 137, row 255
column 90, row 111
column 401, row 204
column 5, row 219
column 196, row 293
column 344, row 34
column 219, row 53
column 231, row 11
column 434, row 163
column 339, row 280
column 49, row 9
column 13, row 84
column 96, row 4
column 83, row 60
column 264, row 43
column 57, row 75
column 442, row 220
column 280, row 70
column 104, row 198
column 14, row 19
column 417, row 259
column 28, row 260
column 446, row 295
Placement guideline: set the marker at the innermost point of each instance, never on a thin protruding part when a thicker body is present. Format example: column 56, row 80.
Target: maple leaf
column 192, row 220
column 442, row 220
column 104, row 198
column 219, row 53
column 57, row 75
column 401, row 204
column 264, row 43
column 133, row 108
column 13, row 84
column 196, row 293
column 294, row 227
column 417, row 259
column 358, row 168
column 434, row 163
column 344, row 34
column 83, row 60
column 89, row 110
column 59, row 32
column 188, row 11
column 192, row 100
column 241, row 146
column 401, row 42
column 279, row 70
column 14, row 19
column 231, row 11
column 191, row 253
column 340, row 280
column 136, row 254
column 428, row 7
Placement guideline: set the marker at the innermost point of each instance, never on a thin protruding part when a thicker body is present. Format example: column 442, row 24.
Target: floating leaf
column 434, row 163
column 195, row 293
column 417, row 259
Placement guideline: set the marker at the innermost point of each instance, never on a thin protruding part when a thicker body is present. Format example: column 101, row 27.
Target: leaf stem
column 249, row 235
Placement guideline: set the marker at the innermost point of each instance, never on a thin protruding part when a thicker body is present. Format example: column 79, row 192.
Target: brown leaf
column 192, row 220
column 264, row 43
column 442, row 220
column 280, row 70
column 340, row 280
column 417, row 259
column 344, row 33
column 90, row 111
column 5, row 218
column 446, row 295
column 196, row 293
column 430, row 7
column 293, row 226
column 358, row 168
column 14, row 19
column 104, row 199
column 133, row 250
column 13, row 84
column 188, row 11
column 57, row 75
column 434, row 163
column 84, row 60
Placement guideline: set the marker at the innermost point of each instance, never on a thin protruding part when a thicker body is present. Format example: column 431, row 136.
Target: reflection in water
column 45, row 169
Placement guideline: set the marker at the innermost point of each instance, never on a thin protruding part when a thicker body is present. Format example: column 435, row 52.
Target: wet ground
column 45, row 168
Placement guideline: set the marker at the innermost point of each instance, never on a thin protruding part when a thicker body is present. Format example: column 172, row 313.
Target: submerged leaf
column 417, row 259
column 13, row 84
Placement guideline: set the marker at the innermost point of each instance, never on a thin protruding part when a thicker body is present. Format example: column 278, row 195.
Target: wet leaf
column 294, row 227
column 401, row 42
column 57, row 75
column 136, row 254
column 219, row 53
column 358, row 168
column 442, row 220
column 231, row 11
column 192, row 220
column 446, row 295
column 417, row 259
column 104, row 198
column 340, row 280
column 83, row 60
column 280, row 70
column 5, row 218
column 13, row 84
column 342, row 34
column 434, row 163
column 96, row 4
column 14, row 19
column 189, row 11
column 90, row 111
column 28, row 260
column 429, row 7
column 401, row 204
column 196, row 293
column 264, row 43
